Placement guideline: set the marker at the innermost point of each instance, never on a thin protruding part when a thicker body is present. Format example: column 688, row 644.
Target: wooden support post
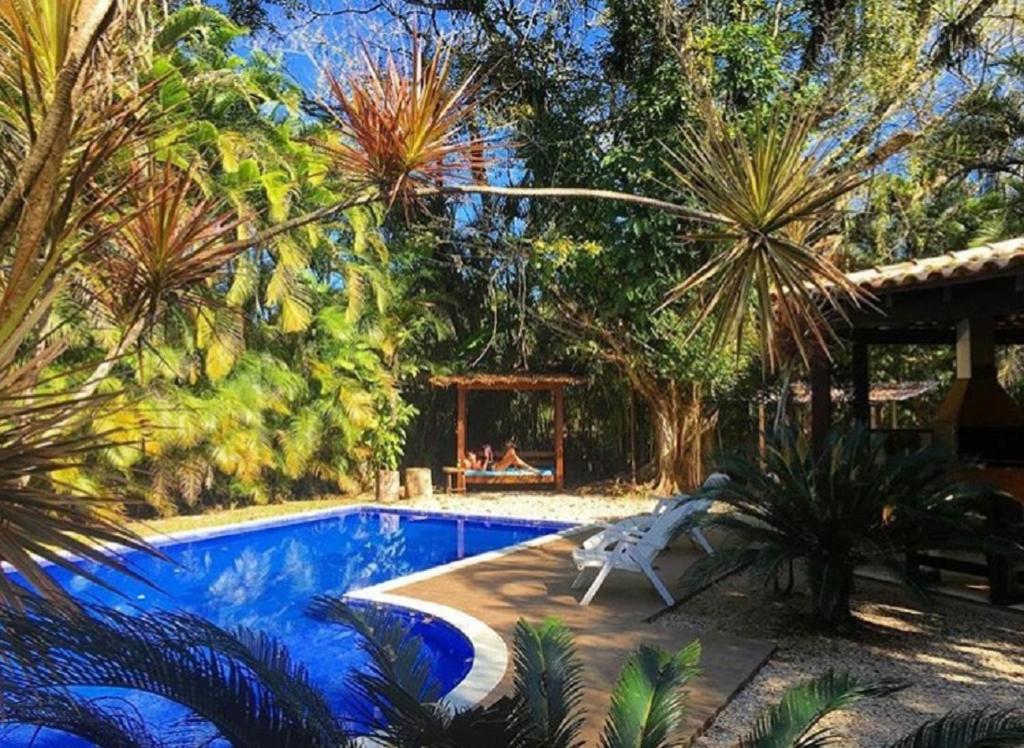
column 558, row 396
column 975, row 348
column 460, row 436
column 861, row 384
column 821, row 401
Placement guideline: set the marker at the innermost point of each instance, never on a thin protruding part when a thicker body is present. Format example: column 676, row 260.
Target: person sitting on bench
column 485, row 461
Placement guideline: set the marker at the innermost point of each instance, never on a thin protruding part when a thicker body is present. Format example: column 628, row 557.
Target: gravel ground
column 566, row 507
column 955, row 655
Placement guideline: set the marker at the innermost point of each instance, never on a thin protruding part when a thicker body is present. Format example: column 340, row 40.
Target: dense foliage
column 921, row 100
column 917, row 98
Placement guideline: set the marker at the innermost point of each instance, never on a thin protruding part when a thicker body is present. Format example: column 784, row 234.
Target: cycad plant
column 243, row 687
column 795, row 721
column 854, row 504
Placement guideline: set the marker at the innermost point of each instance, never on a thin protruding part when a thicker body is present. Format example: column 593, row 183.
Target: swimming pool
column 263, row 575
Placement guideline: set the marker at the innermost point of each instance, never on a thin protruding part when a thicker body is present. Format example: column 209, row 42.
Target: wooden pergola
column 553, row 383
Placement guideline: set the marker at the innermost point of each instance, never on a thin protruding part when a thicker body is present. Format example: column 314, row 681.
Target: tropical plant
column 854, row 504
column 62, row 125
column 794, row 721
column 243, row 686
column 778, row 199
column 241, row 682
column 401, row 131
column 544, row 707
column 165, row 247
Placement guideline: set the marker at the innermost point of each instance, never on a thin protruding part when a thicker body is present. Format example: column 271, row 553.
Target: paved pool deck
column 534, row 583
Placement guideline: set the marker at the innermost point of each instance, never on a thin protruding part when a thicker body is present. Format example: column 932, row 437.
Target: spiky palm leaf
column 647, row 703
column 777, row 202
column 36, row 37
column 977, row 729
column 41, row 520
column 399, row 687
column 792, row 723
column 170, row 244
column 403, row 129
column 548, row 685
column 101, row 724
column 242, row 683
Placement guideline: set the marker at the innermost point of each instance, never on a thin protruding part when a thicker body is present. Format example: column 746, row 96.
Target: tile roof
column 988, row 259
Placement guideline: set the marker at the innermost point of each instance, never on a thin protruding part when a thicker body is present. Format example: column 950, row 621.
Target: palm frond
column 647, row 701
column 399, row 687
column 403, row 129
column 547, row 685
column 193, row 20
column 976, row 729
column 41, row 519
column 169, row 243
column 777, row 202
column 792, row 722
column 240, row 682
column 102, row 724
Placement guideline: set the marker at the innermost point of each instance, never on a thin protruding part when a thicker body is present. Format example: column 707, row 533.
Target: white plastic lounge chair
column 633, row 544
column 642, row 522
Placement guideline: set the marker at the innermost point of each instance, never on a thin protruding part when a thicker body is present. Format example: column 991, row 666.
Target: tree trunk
column 831, row 585
column 679, row 425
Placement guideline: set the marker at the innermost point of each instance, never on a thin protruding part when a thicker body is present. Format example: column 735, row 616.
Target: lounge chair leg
column 656, row 581
column 700, row 539
column 578, row 581
column 596, row 584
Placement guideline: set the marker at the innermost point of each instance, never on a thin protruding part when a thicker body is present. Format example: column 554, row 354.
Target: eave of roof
column 966, row 264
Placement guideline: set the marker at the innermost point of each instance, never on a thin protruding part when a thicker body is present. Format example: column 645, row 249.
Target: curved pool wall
column 263, row 575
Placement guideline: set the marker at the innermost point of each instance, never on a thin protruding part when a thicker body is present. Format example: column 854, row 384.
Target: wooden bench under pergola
column 553, row 383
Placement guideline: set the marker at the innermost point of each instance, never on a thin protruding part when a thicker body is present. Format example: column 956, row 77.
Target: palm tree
column 777, row 201
column 793, row 722
column 241, row 681
column 244, row 685
column 62, row 123
column 857, row 503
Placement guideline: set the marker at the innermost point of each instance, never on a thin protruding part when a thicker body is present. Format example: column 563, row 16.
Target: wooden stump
column 419, row 483
column 389, row 486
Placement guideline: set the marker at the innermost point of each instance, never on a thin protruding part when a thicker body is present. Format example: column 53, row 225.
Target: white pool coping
column 490, row 654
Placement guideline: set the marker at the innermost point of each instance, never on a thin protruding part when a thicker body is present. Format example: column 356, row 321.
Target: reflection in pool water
column 265, row 577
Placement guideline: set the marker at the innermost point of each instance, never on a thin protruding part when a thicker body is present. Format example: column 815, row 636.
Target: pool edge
column 490, row 654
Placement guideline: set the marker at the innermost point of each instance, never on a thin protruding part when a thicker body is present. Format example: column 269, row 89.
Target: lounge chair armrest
column 610, row 537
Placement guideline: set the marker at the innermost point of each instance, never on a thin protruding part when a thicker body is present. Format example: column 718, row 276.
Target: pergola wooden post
column 460, row 434
column 558, row 400
column 555, row 383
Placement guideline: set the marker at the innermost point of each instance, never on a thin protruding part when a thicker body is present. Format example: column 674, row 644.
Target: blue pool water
column 264, row 578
